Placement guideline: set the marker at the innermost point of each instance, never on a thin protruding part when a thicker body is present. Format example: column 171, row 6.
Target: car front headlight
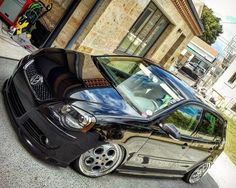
column 73, row 118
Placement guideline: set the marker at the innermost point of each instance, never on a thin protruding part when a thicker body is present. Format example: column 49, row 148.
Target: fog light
column 44, row 140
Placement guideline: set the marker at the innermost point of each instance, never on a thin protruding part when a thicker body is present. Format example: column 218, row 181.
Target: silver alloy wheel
column 101, row 160
column 199, row 172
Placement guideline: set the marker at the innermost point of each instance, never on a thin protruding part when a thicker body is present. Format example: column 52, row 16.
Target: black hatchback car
column 106, row 113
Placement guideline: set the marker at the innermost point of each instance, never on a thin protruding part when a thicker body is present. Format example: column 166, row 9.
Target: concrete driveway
column 9, row 48
column 19, row 169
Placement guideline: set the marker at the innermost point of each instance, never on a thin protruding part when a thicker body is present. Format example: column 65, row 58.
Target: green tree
column 211, row 24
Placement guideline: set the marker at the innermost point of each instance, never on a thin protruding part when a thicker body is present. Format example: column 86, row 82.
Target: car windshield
column 143, row 90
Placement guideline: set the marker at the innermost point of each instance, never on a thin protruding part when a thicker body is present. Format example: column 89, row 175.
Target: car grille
column 41, row 91
column 14, row 99
column 33, row 130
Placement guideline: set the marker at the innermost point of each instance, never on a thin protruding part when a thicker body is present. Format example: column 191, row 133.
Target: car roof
column 189, row 93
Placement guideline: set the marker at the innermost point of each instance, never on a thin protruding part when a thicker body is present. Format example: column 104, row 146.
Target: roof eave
column 188, row 11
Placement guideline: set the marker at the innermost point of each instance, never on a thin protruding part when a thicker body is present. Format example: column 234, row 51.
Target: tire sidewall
column 187, row 176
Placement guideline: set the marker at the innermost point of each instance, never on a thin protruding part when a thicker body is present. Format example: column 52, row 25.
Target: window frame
column 182, row 106
column 136, row 33
column 161, row 117
column 233, row 108
column 205, row 110
column 232, row 78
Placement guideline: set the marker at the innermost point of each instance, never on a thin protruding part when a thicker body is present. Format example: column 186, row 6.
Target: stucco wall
column 225, row 89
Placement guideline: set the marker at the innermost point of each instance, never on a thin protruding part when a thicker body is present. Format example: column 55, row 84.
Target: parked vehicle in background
column 106, row 113
column 193, row 70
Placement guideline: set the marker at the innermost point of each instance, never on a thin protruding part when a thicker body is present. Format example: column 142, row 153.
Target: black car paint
column 65, row 146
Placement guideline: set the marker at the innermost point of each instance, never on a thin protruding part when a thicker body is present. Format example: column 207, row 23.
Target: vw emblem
column 36, row 80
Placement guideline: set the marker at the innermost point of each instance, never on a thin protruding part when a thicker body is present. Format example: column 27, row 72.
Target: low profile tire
column 99, row 161
column 197, row 173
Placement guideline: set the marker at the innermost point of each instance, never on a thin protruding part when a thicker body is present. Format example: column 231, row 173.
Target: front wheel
column 99, row 161
column 196, row 174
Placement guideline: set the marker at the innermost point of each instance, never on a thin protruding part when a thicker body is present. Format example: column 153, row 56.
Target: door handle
column 184, row 145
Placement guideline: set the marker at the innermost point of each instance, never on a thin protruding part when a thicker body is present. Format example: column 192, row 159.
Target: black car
column 106, row 113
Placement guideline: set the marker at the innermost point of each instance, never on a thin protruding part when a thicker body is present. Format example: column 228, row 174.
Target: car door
column 207, row 139
column 163, row 152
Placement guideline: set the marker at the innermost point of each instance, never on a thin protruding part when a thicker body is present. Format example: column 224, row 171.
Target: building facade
column 156, row 29
column 198, row 56
column 224, row 90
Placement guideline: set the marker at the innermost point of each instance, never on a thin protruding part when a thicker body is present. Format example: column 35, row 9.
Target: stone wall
column 50, row 19
column 179, row 27
column 112, row 22
column 119, row 16
column 112, row 26
column 74, row 22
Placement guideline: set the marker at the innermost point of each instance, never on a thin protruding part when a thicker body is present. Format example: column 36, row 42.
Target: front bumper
column 34, row 127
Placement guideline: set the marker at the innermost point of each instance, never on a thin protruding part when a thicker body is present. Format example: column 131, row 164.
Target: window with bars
column 145, row 31
column 234, row 108
column 232, row 78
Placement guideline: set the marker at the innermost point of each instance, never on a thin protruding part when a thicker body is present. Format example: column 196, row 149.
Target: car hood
column 68, row 75
column 103, row 102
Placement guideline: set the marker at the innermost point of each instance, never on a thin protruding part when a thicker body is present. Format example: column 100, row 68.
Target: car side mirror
column 171, row 130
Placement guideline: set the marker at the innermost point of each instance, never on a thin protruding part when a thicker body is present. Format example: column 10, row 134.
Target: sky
column 226, row 10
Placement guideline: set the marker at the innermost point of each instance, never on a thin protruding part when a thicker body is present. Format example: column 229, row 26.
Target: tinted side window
column 211, row 128
column 185, row 119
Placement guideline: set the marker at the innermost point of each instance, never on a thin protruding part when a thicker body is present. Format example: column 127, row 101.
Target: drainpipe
column 53, row 35
column 84, row 24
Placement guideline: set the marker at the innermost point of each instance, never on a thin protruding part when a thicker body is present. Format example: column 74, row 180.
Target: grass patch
column 230, row 146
